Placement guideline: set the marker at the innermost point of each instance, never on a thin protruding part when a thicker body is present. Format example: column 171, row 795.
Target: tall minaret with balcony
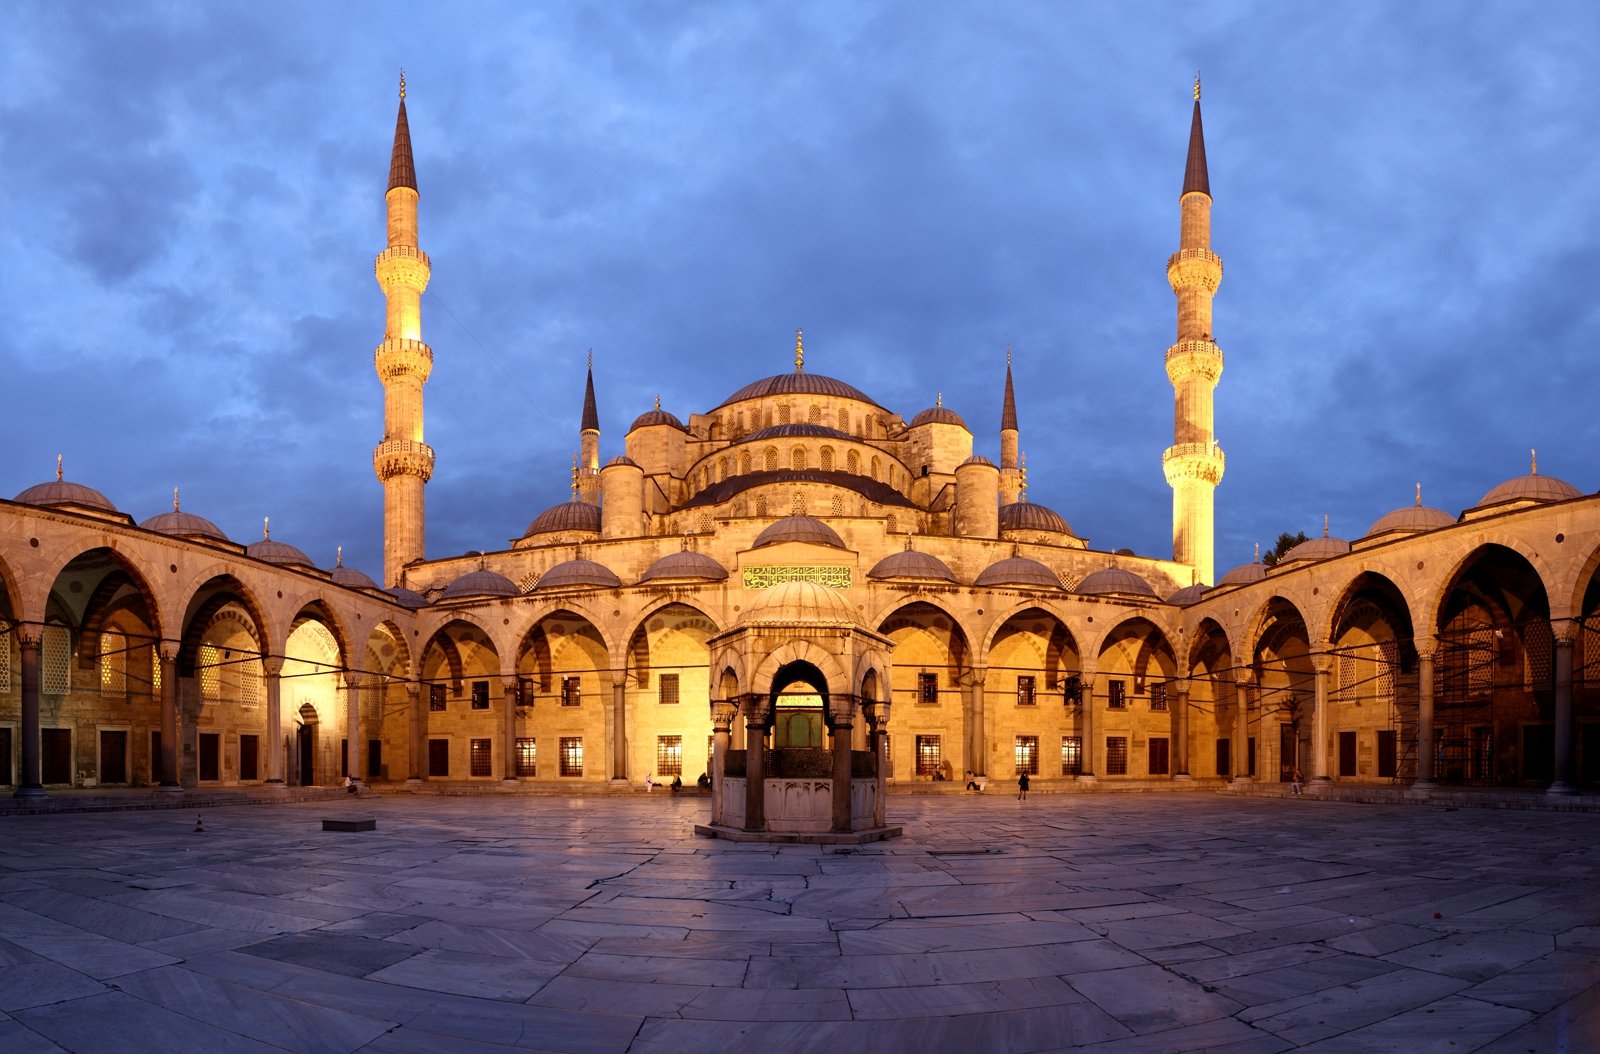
column 1010, row 467
column 403, row 462
column 1194, row 462
column 588, row 477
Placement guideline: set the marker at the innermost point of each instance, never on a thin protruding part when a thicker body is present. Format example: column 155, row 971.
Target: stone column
column 842, row 708
column 1180, row 729
column 1243, row 689
column 169, row 717
column 1566, row 635
column 414, row 705
column 722, row 714
column 755, row 803
column 1425, row 649
column 29, row 786
column 619, row 725
column 1322, row 665
column 1086, row 722
column 877, row 715
column 272, row 669
column 352, row 725
column 508, row 728
column 977, row 747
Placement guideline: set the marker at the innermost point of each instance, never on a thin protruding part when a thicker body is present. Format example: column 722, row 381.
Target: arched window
column 844, row 419
column 770, row 458
column 722, row 470
column 761, row 504
column 815, row 417
column 827, row 459
column 852, row 463
column 797, row 504
column 783, row 414
column 877, row 466
column 797, row 459
column 838, row 505
column 744, row 461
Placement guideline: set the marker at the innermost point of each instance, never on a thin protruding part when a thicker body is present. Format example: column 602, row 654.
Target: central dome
column 798, row 384
column 799, row 603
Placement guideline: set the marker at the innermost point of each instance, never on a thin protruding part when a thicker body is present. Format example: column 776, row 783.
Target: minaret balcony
column 1194, row 268
column 400, row 357
column 1193, row 462
column 1194, row 358
column 402, row 457
column 404, row 265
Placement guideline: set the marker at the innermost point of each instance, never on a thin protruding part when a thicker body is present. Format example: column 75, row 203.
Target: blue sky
column 1406, row 205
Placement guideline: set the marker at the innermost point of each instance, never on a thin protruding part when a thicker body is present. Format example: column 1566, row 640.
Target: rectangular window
column 438, row 757
column 210, row 757
column 669, row 755
column 927, row 688
column 524, row 691
column 1387, row 753
column 1158, row 696
column 1250, row 755
column 480, row 757
column 1159, row 757
column 375, row 760
column 55, row 755
column 571, row 692
column 5, row 752
column 480, row 695
column 344, row 757
column 572, row 755
column 436, row 697
column 249, row 757
column 929, row 755
column 113, row 757
column 1027, row 755
column 1116, row 755
column 527, row 756
column 1223, row 754
column 1072, row 691
column 1071, row 755
column 1024, row 689
column 667, row 690
column 1118, row 694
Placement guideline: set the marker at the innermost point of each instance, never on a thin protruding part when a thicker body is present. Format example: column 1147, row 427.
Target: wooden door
column 113, row 757
column 55, row 755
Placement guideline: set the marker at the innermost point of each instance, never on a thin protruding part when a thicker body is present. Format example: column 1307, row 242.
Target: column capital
column 28, row 635
column 722, row 714
column 413, row 689
column 1322, row 661
column 271, row 665
column 1244, row 677
column 1425, row 647
column 508, row 683
column 842, row 708
column 1564, row 632
column 353, row 680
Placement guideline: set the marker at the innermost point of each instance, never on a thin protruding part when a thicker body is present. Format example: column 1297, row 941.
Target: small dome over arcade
column 480, row 583
column 799, row 603
column 60, row 493
column 182, row 524
column 799, row 529
column 1411, row 519
column 912, row 565
column 1031, row 516
column 685, row 566
column 273, row 552
column 1188, row 595
column 1531, row 489
column 1243, row 575
column 1018, row 571
column 1316, row 548
column 572, row 574
column 1114, row 580
column 349, row 577
column 571, row 515
column 407, row 598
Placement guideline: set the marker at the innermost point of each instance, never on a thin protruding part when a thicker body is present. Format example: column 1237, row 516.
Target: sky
column 1407, row 206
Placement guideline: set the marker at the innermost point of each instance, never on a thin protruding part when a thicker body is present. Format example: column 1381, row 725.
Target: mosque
column 800, row 568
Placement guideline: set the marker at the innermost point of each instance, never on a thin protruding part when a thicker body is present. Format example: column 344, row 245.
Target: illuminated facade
column 803, row 564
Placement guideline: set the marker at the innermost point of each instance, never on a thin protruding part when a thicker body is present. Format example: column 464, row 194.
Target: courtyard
column 1096, row 923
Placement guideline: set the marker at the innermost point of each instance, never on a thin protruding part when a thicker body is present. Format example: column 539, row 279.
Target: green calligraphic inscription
column 773, row 574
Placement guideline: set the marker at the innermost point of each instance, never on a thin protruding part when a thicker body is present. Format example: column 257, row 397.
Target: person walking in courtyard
column 1022, row 787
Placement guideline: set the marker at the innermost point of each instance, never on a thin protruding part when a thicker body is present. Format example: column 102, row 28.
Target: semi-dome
column 684, row 565
column 798, row 384
column 799, row 529
column 60, row 492
column 1411, row 518
column 1243, row 575
column 657, row 416
column 1018, row 571
column 480, row 583
column 573, row 573
column 407, row 598
column 795, row 431
column 799, row 603
column 1114, row 580
column 1031, row 516
column 1188, row 595
column 938, row 415
column 571, row 515
column 182, row 524
column 1532, row 487
column 912, row 564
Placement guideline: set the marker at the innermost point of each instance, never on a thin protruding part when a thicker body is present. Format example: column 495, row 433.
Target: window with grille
column 815, row 415
column 1116, row 755
column 667, row 689
column 55, row 661
column 1118, row 694
column 5, row 663
column 210, row 672
column 1388, row 663
column 783, row 414
column 480, row 757
column 480, row 695
column 1158, row 696
column 797, row 459
column 571, row 691
column 527, row 756
column 669, row 755
column 572, row 755
column 769, row 458
column 525, row 691
column 852, row 463
column 1027, row 755
column 929, row 757
column 761, row 504
column 250, row 685
column 927, row 688
column 1348, row 677
column 827, row 459
column 1540, row 643
column 114, row 664
column 837, row 505
column 436, row 697
column 1024, row 689
column 1071, row 755
column 1072, row 691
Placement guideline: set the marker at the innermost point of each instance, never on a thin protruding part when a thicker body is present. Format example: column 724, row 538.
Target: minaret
column 588, row 471
column 1194, row 462
column 403, row 462
column 1010, row 469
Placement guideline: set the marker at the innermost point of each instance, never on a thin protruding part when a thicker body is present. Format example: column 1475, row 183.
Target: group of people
column 677, row 782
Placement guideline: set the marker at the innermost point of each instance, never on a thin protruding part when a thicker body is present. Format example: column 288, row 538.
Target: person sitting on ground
column 649, row 782
column 704, row 782
column 972, row 782
column 677, row 782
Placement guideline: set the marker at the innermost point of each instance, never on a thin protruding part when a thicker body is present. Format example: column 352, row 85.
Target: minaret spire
column 1011, row 477
column 586, row 474
column 1194, row 463
column 402, row 461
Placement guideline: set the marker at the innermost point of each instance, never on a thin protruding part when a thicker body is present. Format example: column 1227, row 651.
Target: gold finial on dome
column 1324, row 525
column 799, row 351
column 939, row 401
column 402, row 82
column 338, row 557
column 1257, row 559
column 658, row 400
column 1196, row 85
column 174, row 499
column 1419, row 494
column 1533, row 457
column 266, row 528
column 58, row 468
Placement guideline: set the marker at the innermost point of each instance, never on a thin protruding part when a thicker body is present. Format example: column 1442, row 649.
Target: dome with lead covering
column 799, row 529
column 1018, row 571
column 1243, row 575
column 799, row 603
column 1030, row 516
column 938, row 415
column 407, row 598
column 685, row 565
column 350, row 578
column 1316, row 549
column 1114, row 580
column 976, row 459
column 480, row 583
column 657, row 416
column 273, row 552
column 798, row 384
column 574, row 573
column 182, row 524
column 1411, row 519
column 1532, row 487
column 914, row 565
column 795, row 431
column 568, row 516
column 60, row 493
column 1188, row 595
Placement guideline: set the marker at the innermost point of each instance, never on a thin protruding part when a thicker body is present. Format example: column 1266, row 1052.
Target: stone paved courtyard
column 1100, row 923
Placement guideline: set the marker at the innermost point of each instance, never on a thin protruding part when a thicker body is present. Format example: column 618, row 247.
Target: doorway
column 1288, row 753
column 305, row 742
